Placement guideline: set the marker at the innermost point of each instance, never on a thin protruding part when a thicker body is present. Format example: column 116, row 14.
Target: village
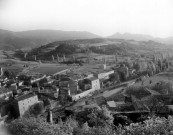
column 109, row 83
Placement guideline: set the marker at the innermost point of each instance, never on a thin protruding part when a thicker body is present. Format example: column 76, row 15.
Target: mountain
column 168, row 40
column 141, row 37
column 35, row 38
column 129, row 36
column 56, row 35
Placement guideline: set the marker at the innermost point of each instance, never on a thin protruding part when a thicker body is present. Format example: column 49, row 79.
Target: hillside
column 10, row 41
column 103, row 46
column 30, row 39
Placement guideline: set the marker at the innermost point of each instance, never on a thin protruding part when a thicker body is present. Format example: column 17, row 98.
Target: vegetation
column 95, row 116
column 95, row 125
column 34, row 110
column 37, row 126
column 98, row 46
column 138, row 92
column 9, row 74
column 152, row 126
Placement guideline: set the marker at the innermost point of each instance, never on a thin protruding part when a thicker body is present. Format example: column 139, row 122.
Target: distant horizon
column 100, row 17
column 121, row 33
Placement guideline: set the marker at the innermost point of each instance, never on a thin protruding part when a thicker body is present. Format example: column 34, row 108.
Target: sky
column 102, row 17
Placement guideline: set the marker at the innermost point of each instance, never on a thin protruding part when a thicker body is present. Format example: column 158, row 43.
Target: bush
column 138, row 92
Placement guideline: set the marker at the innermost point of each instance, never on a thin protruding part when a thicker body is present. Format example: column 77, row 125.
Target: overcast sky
column 102, row 17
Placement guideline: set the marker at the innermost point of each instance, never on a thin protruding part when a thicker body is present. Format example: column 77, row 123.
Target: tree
column 34, row 110
column 95, row 116
column 114, row 77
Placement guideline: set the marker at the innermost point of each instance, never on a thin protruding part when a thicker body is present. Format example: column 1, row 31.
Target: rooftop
column 26, row 96
column 93, row 78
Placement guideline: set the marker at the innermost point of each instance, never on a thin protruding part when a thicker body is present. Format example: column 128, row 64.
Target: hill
column 104, row 46
column 30, row 39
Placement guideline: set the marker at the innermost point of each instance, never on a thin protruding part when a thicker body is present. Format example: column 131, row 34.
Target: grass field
column 49, row 68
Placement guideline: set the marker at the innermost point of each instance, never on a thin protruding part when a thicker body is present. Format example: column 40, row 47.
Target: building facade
column 22, row 103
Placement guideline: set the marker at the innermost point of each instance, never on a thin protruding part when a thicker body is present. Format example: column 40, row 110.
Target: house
column 73, row 86
column 92, row 83
column 64, row 84
column 95, row 83
column 22, row 103
column 64, row 94
column 88, row 75
column 104, row 74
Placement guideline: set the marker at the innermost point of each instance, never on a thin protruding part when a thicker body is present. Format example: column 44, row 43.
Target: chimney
column 50, row 117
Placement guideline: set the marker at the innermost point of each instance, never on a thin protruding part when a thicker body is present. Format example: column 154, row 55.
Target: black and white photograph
column 86, row 67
